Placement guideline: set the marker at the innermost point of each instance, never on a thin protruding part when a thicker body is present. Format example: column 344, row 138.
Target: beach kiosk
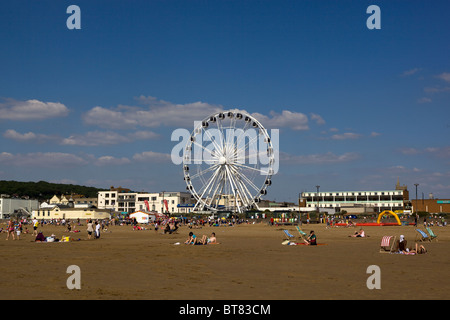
column 141, row 216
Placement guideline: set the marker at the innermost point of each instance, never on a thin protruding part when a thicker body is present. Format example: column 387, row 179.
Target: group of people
column 14, row 229
column 194, row 240
column 403, row 249
column 91, row 229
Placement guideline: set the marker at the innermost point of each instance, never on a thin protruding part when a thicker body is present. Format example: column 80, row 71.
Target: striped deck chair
column 421, row 236
column 288, row 235
column 431, row 233
column 302, row 233
column 387, row 244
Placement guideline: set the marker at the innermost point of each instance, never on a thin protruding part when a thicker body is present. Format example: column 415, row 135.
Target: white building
column 361, row 201
column 9, row 205
column 59, row 211
column 160, row 202
column 68, row 208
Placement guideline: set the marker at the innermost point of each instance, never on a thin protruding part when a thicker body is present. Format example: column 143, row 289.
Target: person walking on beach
column 35, row 226
column 97, row 230
column 10, row 230
column 18, row 229
column 90, row 229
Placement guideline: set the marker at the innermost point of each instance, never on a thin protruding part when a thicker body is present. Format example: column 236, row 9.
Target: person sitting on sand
column 211, row 240
column 416, row 250
column 359, row 234
column 170, row 228
column 40, row 237
column 312, row 239
column 192, row 239
column 402, row 244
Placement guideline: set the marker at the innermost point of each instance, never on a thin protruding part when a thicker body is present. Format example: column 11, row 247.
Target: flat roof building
column 9, row 205
column 160, row 202
column 431, row 205
column 59, row 211
column 364, row 201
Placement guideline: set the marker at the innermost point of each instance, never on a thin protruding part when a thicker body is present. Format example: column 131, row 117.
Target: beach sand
column 249, row 263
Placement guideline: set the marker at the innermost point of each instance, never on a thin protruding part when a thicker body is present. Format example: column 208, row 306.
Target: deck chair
column 387, row 244
column 288, row 235
column 421, row 236
column 431, row 233
column 302, row 233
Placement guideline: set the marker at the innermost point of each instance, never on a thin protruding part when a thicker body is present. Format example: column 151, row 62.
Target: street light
column 299, row 213
column 318, row 199
column 416, row 184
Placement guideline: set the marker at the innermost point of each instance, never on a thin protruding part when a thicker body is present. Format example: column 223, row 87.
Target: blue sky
column 356, row 108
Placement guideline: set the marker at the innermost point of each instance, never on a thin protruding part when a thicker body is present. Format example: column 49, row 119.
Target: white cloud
column 317, row 118
column 436, row 89
column 69, row 161
column 397, row 168
column 410, row 72
column 42, row 159
column 158, row 113
column 151, row 156
column 287, row 119
column 409, row 151
column 14, row 135
column 92, row 138
column 444, row 76
column 322, row 158
column 442, row 152
column 155, row 115
column 99, row 138
column 28, row 137
column 31, row 110
column 110, row 160
column 143, row 135
column 424, row 100
column 345, row 136
column 438, row 152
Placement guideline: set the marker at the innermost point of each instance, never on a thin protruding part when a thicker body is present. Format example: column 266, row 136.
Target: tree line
column 43, row 190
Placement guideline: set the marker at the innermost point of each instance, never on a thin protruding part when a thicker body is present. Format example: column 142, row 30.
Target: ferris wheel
column 228, row 162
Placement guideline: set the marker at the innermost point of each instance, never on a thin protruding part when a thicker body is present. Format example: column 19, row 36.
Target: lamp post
column 416, row 184
column 318, row 199
column 299, row 214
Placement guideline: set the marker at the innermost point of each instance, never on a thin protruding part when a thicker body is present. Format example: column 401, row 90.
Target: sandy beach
column 249, row 263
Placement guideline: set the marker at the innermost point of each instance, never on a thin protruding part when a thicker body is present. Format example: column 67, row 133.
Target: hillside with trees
column 43, row 190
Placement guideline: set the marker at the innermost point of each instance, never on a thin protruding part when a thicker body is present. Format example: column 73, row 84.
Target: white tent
column 142, row 217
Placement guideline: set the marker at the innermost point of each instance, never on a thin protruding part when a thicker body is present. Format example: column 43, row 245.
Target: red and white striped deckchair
column 387, row 243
